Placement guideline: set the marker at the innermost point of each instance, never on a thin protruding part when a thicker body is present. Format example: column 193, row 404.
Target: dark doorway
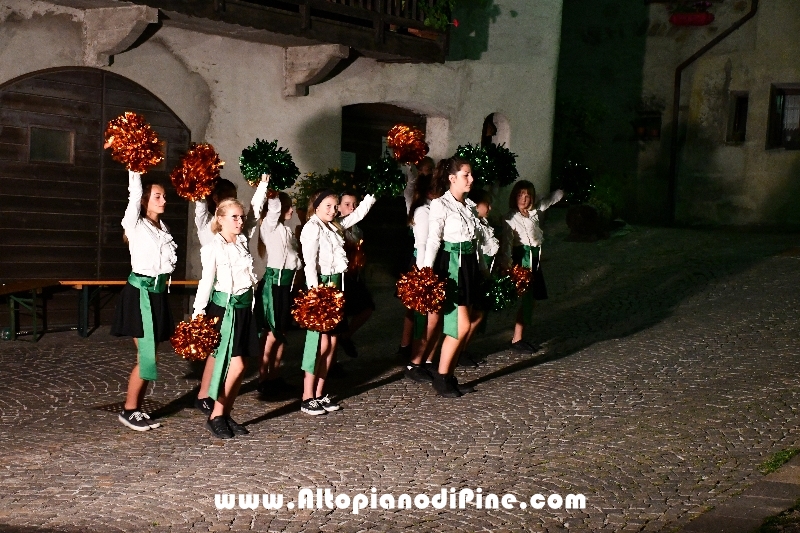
column 364, row 127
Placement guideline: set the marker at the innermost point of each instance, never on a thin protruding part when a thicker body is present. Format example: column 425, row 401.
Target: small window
column 737, row 118
column 51, row 146
column 784, row 117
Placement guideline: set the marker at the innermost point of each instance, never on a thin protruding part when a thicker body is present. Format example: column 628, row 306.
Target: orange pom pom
column 197, row 339
column 422, row 290
column 407, row 143
column 195, row 175
column 319, row 309
column 521, row 277
column 133, row 142
column 356, row 258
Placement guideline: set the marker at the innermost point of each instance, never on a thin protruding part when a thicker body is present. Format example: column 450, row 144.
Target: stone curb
column 744, row 513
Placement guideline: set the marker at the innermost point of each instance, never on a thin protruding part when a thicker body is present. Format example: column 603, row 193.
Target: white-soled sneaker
column 152, row 423
column 136, row 420
column 312, row 407
column 328, row 404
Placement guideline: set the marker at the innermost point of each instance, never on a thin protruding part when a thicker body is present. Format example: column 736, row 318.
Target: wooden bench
column 27, row 293
column 90, row 291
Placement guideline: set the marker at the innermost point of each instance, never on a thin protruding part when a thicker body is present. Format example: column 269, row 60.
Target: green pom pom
column 502, row 164
column 264, row 157
column 479, row 161
column 500, row 292
column 385, row 178
column 490, row 164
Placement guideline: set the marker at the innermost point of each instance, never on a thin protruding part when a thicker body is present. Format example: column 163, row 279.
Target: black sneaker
column 312, row 407
column 136, row 420
column 443, row 385
column 522, row 347
column 206, row 405
column 328, row 404
column 348, row 347
column 417, row 373
column 219, row 427
column 431, row 367
column 153, row 424
column 236, row 428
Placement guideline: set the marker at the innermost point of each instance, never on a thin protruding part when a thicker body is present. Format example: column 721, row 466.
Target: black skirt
column 357, row 297
column 128, row 315
column 245, row 330
column 469, row 277
column 538, row 287
column 281, row 306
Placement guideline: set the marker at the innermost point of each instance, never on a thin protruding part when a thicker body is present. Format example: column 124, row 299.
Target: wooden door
column 61, row 196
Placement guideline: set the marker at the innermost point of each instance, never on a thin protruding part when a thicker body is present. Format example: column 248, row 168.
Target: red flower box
column 699, row 18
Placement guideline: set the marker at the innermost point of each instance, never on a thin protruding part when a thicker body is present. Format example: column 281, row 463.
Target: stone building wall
column 230, row 91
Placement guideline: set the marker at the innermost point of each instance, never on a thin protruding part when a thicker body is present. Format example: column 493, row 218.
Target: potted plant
column 691, row 13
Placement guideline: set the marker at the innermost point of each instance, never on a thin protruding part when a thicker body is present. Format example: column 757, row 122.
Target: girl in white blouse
column 142, row 310
column 325, row 263
column 226, row 292
column 204, row 220
column 522, row 241
column 419, row 180
column 273, row 297
column 204, row 210
column 452, row 249
column 425, row 328
column 489, row 246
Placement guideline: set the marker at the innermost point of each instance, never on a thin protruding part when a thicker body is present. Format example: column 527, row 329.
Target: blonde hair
column 222, row 208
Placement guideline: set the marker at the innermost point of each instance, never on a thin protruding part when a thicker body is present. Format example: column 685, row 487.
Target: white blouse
column 203, row 219
column 153, row 251
column 520, row 230
column 420, row 229
column 279, row 240
column 227, row 267
column 323, row 246
column 489, row 243
column 450, row 221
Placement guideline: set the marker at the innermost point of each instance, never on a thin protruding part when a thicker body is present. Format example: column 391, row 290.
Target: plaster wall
column 229, row 92
column 743, row 183
column 624, row 56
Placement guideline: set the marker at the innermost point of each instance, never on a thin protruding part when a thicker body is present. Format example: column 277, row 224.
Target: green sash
column 278, row 277
column 450, row 307
column 311, row 347
column 222, row 354
column 527, row 298
column 147, row 344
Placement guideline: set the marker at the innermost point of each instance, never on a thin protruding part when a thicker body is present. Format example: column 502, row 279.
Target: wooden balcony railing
column 390, row 30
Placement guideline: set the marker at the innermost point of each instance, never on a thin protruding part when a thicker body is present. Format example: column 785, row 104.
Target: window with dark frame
column 47, row 145
column 783, row 129
column 737, row 117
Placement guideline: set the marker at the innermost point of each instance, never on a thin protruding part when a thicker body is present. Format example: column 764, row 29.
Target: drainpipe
column 676, row 100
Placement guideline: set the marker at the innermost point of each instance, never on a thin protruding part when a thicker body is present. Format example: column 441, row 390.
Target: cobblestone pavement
column 667, row 374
